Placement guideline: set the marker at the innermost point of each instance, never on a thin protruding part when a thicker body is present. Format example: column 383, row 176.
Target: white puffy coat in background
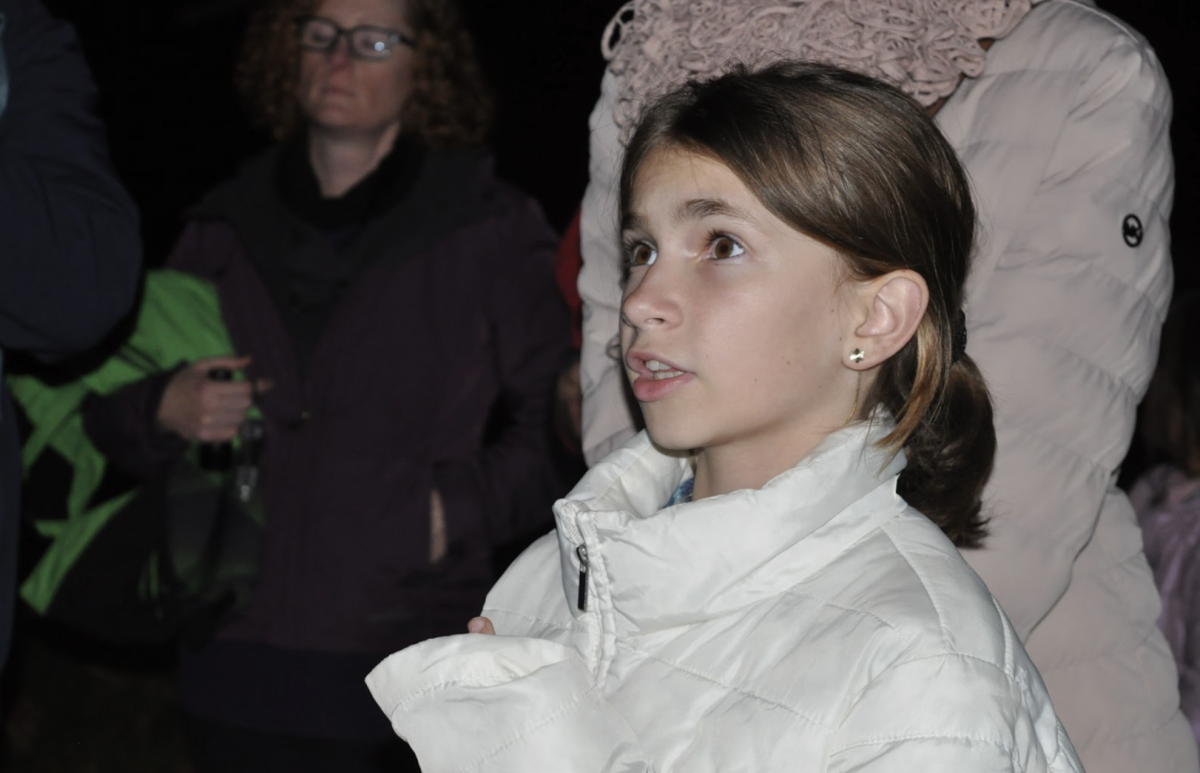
column 816, row 624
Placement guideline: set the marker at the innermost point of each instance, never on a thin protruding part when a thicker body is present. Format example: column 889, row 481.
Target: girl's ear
column 895, row 304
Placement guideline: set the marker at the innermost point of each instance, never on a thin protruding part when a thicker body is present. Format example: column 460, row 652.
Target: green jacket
column 177, row 568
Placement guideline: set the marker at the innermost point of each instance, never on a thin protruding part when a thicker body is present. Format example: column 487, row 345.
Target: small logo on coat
column 1132, row 231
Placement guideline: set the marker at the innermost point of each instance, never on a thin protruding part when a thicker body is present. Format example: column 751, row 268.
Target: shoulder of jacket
column 1077, row 27
column 465, row 179
column 925, row 599
column 951, row 608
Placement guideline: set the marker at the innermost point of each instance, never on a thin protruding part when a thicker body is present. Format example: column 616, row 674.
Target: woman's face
column 341, row 94
column 732, row 322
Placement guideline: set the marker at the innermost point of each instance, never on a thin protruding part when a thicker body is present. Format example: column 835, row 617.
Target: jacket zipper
column 581, row 551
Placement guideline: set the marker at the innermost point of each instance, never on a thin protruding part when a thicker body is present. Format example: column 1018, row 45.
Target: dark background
column 165, row 68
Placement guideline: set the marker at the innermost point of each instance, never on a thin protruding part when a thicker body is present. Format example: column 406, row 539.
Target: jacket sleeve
column 608, row 418
column 511, row 481
column 503, row 704
column 951, row 713
column 1065, row 325
column 124, row 425
column 69, row 232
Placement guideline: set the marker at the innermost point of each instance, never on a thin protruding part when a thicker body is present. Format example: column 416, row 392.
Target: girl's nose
column 651, row 300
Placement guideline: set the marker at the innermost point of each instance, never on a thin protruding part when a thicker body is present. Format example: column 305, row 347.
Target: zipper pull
column 581, row 551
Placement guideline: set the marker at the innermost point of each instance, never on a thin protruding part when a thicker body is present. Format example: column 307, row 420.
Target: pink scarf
column 922, row 46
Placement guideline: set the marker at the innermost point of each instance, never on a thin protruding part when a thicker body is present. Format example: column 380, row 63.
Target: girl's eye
column 724, row 247
column 642, row 255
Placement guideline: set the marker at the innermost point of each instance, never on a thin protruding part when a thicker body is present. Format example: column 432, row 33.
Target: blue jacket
column 69, row 246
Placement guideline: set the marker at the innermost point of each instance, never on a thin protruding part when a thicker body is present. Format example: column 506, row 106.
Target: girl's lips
column 653, row 377
column 645, row 363
column 647, row 389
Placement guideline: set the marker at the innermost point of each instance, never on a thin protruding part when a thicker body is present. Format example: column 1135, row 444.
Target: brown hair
column 858, row 165
column 449, row 105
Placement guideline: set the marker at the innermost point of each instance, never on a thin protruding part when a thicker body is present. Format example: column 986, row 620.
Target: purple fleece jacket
column 444, row 328
column 1168, row 508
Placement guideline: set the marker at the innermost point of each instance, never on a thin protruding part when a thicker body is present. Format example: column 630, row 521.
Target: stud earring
column 857, row 356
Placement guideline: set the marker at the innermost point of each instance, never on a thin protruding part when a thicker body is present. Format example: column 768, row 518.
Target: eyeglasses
column 369, row 43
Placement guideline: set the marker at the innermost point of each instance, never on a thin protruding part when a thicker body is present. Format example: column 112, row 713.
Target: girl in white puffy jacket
column 767, row 579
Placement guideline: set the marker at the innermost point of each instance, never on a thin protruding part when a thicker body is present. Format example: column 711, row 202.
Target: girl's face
column 733, row 323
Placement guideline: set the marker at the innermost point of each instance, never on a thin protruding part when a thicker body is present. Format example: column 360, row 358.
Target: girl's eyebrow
column 698, row 209
column 693, row 209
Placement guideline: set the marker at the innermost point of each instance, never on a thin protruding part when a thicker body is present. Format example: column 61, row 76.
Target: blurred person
column 568, row 398
column 1167, row 496
column 392, row 306
column 1060, row 113
column 70, row 253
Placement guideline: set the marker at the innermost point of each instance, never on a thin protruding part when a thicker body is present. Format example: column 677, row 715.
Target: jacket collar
column 655, row 568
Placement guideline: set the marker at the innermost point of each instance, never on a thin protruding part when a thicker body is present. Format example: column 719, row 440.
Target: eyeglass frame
column 394, row 36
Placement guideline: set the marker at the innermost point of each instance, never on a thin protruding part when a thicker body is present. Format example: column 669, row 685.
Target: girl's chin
column 674, row 443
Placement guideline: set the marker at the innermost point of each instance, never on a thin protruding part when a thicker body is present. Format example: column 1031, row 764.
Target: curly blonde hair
column 449, row 105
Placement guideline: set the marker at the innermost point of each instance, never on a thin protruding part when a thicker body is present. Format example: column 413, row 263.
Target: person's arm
column 1065, row 326
column 124, row 427
column 506, row 487
column 951, row 713
column 68, row 232
column 145, row 426
column 503, row 704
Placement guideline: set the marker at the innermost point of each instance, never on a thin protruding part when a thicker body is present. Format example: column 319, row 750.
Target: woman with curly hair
column 392, row 307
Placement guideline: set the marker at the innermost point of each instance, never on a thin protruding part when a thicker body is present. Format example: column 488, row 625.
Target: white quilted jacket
column 816, row 624
column 1065, row 138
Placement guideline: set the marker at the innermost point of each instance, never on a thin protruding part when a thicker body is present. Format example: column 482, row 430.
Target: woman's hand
column 197, row 408
column 480, row 625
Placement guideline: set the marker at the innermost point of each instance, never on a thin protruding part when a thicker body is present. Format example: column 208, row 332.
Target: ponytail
column 944, row 424
column 950, row 453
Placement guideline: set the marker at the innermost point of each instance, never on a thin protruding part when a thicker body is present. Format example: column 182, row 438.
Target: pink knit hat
column 922, row 46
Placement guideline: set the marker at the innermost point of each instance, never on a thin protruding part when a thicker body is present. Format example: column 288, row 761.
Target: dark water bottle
column 217, row 457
